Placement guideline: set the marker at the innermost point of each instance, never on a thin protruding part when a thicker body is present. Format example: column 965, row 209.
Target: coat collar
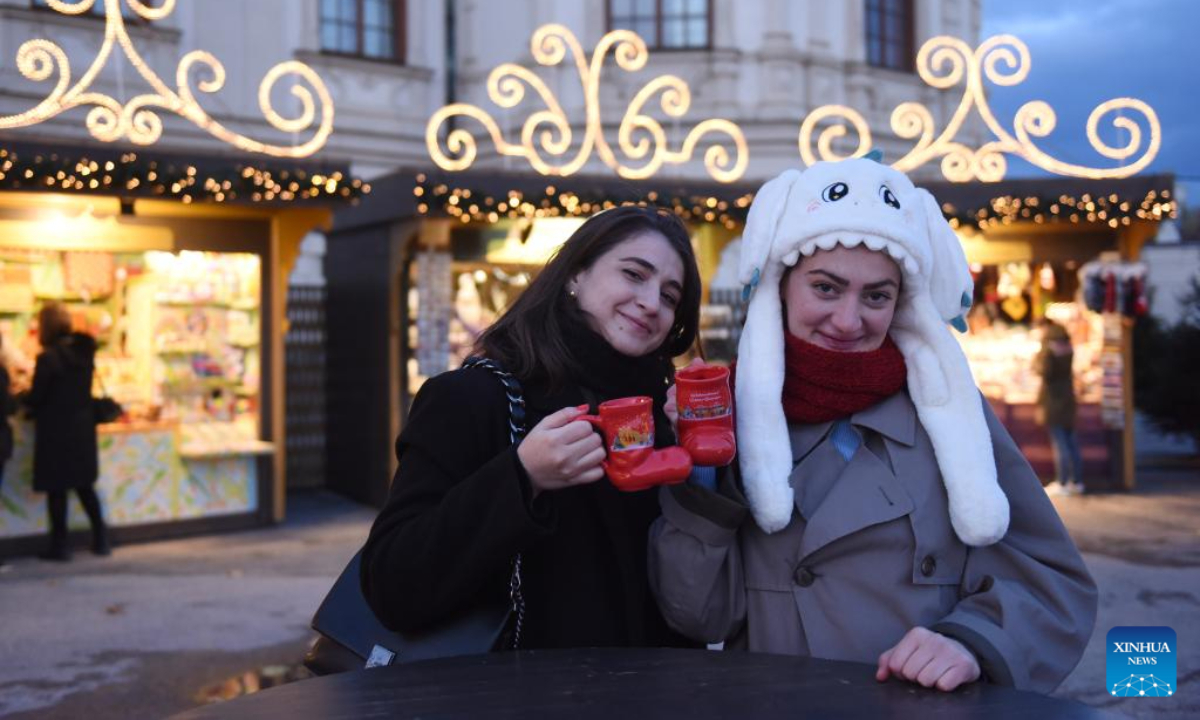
column 867, row 492
column 895, row 418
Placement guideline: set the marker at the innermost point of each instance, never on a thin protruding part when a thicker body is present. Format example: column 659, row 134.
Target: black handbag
column 351, row 637
column 104, row 408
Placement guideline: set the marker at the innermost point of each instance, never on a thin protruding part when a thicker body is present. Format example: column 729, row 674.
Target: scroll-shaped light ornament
column 944, row 62
column 546, row 135
column 110, row 119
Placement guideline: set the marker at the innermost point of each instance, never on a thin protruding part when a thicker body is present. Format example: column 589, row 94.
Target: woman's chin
column 840, row 345
column 631, row 346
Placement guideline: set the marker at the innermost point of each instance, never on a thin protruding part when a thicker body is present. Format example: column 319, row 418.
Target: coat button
column 928, row 565
column 805, row 577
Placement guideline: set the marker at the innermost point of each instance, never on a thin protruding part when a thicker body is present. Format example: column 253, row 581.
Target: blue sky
column 1084, row 52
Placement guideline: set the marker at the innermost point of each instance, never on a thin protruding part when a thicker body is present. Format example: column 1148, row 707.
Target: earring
column 571, row 292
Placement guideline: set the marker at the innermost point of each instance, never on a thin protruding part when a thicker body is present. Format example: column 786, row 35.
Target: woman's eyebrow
column 649, row 266
column 641, row 261
column 843, row 281
column 831, row 276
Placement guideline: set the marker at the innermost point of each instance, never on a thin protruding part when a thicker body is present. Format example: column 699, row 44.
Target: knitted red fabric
column 821, row 384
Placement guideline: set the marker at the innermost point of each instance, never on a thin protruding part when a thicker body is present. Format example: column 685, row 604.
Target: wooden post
column 288, row 229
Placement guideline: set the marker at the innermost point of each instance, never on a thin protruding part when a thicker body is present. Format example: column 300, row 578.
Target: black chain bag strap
column 351, row 637
column 516, row 431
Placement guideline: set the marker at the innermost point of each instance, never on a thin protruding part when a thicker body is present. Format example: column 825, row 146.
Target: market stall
column 185, row 297
column 1064, row 251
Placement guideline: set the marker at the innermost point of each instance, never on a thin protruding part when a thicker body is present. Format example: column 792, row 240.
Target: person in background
column 65, row 452
column 867, row 518
column 1056, row 408
column 601, row 321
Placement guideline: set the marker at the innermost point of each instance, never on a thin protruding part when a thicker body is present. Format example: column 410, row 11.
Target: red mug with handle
column 632, row 463
column 705, row 405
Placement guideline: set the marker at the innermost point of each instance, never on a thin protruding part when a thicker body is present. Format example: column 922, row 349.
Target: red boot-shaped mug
column 632, row 463
column 705, row 406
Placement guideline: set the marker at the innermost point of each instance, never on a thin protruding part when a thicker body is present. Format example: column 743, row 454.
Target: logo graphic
column 1141, row 661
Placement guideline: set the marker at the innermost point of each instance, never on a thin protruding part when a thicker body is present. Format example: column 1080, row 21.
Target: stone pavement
column 1143, row 549
column 141, row 634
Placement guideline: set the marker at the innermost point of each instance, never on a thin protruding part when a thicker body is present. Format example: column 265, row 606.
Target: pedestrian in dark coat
column 1056, row 408
column 6, row 408
column 65, row 453
column 868, row 518
column 601, row 321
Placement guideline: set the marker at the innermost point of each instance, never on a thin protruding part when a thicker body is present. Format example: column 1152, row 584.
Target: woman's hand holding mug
column 560, row 452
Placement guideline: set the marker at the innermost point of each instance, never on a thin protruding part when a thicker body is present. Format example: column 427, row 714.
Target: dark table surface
column 632, row 683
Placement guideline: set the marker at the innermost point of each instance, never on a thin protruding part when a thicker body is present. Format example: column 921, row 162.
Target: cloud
column 1084, row 52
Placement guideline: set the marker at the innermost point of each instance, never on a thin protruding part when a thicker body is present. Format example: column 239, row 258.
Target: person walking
column 65, row 451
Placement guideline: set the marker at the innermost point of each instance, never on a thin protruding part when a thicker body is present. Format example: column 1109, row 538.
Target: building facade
column 389, row 64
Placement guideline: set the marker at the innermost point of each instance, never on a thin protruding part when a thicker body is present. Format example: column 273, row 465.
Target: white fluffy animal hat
column 850, row 203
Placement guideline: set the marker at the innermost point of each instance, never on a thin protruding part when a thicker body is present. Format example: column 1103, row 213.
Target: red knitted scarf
column 821, row 385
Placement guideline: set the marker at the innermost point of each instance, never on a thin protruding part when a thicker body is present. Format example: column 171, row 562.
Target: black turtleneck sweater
column 460, row 509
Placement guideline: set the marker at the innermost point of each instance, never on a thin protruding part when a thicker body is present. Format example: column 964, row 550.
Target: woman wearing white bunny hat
column 868, row 517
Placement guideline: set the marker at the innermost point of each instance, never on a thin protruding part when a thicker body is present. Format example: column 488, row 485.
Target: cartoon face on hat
column 855, row 203
column 851, row 203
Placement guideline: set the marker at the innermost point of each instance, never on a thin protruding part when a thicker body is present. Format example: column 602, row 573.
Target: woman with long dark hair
column 601, row 321
column 65, row 452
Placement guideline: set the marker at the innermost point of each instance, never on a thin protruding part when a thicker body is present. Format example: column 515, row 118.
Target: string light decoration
column 138, row 120
column 1112, row 210
column 943, row 62
column 639, row 136
column 439, row 197
column 131, row 175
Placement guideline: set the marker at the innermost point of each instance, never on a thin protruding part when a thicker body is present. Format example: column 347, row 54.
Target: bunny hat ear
column 943, row 390
column 764, row 450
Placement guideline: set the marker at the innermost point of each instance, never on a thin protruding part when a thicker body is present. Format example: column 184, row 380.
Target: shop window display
column 1004, row 340
column 179, row 347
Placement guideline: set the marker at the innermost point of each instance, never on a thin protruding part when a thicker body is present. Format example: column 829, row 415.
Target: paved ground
column 142, row 634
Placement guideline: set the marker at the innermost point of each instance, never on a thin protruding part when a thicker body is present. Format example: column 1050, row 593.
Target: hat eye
column 885, row 194
column 835, row 192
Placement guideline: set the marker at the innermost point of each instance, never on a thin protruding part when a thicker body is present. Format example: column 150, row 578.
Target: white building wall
column 771, row 63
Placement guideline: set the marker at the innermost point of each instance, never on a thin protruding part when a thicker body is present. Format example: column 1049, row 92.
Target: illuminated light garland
column 109, row 120
column 129, row 175
column 639, row 136
column 437, row 197
column 943, row 62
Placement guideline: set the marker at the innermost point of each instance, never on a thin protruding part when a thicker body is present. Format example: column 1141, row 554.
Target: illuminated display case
column 179, row 339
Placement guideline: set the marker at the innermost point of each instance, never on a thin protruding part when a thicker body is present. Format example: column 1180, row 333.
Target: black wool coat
column 460, row 509
column 65, row 453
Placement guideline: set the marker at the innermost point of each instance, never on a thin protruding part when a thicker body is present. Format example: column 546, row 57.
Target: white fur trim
column 763, row 443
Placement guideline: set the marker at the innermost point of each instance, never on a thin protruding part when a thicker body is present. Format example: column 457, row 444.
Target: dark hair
column 54, row 322
column 528, row 339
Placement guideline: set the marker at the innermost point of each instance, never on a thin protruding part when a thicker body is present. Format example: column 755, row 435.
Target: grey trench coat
column 870, row 553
